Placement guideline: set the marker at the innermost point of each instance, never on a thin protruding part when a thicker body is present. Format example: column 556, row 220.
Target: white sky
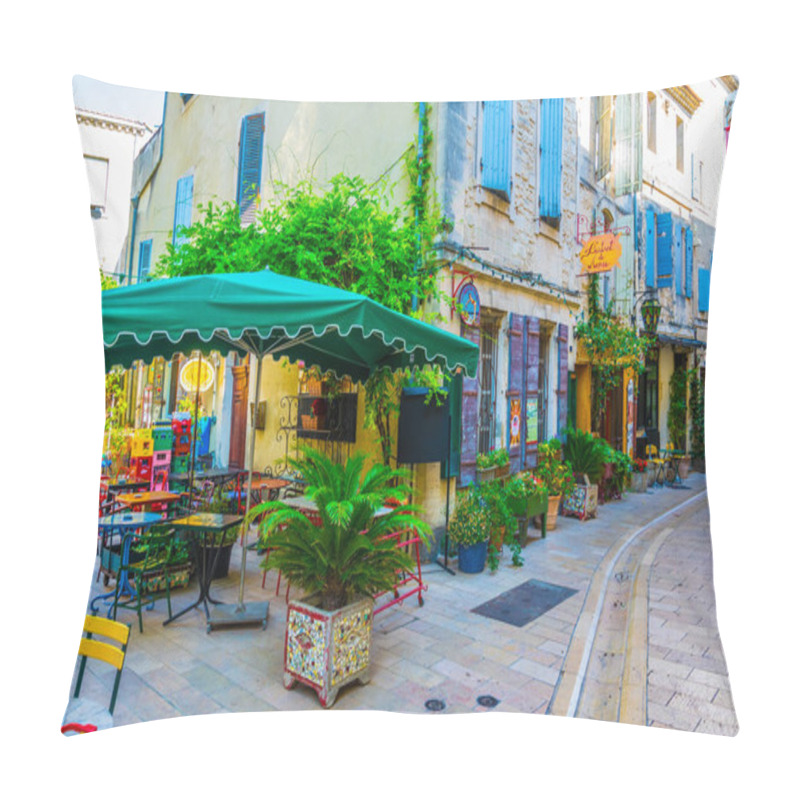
column 142, row 105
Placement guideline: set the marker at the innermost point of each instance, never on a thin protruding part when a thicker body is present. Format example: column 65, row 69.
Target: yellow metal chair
column 112, row 652
column 651, row 452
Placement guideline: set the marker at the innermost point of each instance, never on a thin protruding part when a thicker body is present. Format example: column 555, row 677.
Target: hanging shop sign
column 600, row 253
column 196, row 373
column 470, row 304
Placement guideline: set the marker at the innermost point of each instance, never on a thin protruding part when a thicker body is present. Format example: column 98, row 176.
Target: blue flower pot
column 472, row 559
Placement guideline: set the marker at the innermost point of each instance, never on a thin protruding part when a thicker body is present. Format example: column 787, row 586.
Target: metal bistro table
column 126, row 524
column 146, row 500
column 202, row 528
column 219, row 477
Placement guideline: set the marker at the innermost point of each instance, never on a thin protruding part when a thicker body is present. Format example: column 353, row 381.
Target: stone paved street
column 587, row 656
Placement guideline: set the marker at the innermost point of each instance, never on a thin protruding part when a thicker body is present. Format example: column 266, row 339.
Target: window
column 602, row 133
column 697, row 179
column 551, row 130
column 679, row 144
column 487, row 381
column 97, row 171
column 496, row 132
column 248, row 182
column 184, row 192
column 545, row 331
column 145, row 253
column 652, row 109
column 648, row 395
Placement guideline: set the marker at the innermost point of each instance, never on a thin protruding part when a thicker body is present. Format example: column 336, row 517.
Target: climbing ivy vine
column 611, row 345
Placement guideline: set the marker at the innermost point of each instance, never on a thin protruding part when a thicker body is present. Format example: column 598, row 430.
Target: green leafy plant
column 676, row 411
column 697, row 412
column 611, row 345
column 584, row 452
column 523, row 487
column 471, row 522
column 552, row 471
column 493, row 495
column 348, row 554
column 494, row 458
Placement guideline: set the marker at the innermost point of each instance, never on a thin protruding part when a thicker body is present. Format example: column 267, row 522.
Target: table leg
column 204, row 579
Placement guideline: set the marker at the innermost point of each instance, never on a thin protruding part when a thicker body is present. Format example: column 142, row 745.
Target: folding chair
column 651, row 451
column 113, row 654
column 151, row 574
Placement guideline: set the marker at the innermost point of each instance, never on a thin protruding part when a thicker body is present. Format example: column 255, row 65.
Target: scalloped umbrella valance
column 266, row 314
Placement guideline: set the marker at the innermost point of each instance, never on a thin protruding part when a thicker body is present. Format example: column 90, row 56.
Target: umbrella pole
column 249, row 481
column 194, row 431
column 224, row 615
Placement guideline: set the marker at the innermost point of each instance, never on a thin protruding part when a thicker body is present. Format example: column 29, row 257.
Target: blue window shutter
column 251, row 148
column 688, row 262
column 677, row 251
column 496, row 151
column 183, row 209
column 703, row 286
column 650, row 255
column 145, row 252
column 551, row 124
column 664, row 249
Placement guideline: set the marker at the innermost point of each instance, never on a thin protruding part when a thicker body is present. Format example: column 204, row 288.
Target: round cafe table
column 125, row 524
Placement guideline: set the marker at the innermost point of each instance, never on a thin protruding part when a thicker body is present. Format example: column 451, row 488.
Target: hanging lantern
column 651, row 313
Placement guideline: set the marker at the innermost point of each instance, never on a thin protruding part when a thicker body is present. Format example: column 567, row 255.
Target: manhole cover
column 487, row 701
column 434, row 705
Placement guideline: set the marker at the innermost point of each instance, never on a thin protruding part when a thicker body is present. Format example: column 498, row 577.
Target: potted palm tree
column 586, row 455
column 341, row 559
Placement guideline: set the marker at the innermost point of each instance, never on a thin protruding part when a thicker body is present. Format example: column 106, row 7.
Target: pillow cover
column 544, row 387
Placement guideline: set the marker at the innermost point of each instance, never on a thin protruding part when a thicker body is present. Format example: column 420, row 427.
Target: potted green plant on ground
column 341, row 559
column 556, row 476
column 469, row 530
column 493, row 494
column 585, row 453
column 639, row 475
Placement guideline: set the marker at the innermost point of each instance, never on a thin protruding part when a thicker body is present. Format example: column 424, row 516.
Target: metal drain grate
column 487, row 701
column 434, row 705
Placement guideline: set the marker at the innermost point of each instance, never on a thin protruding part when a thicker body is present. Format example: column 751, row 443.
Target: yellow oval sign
column 600, row 253
column 196, row 371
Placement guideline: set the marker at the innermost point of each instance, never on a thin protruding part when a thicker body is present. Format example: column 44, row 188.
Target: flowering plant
column 472, row 520
column 319, row 407
column 554, row 473
column 525, row 485
column 639, row 465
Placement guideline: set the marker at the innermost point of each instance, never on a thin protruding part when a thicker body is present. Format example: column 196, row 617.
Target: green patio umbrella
column 266, row 314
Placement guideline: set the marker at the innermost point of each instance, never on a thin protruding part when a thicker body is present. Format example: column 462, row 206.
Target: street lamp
column 651, row 313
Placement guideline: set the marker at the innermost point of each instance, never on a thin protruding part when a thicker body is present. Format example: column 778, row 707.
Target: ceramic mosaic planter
column 327, row 649
column 582, row 502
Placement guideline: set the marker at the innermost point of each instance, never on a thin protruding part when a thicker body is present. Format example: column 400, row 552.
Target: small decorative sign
column 470, row 304
column 515, row 422
column 600, row 253
column 196, row 371
column 532, row 420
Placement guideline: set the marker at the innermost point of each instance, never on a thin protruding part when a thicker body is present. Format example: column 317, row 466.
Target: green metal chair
column 150, row 574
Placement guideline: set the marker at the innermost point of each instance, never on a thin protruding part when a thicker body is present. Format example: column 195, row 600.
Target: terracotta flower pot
column 552, row 511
